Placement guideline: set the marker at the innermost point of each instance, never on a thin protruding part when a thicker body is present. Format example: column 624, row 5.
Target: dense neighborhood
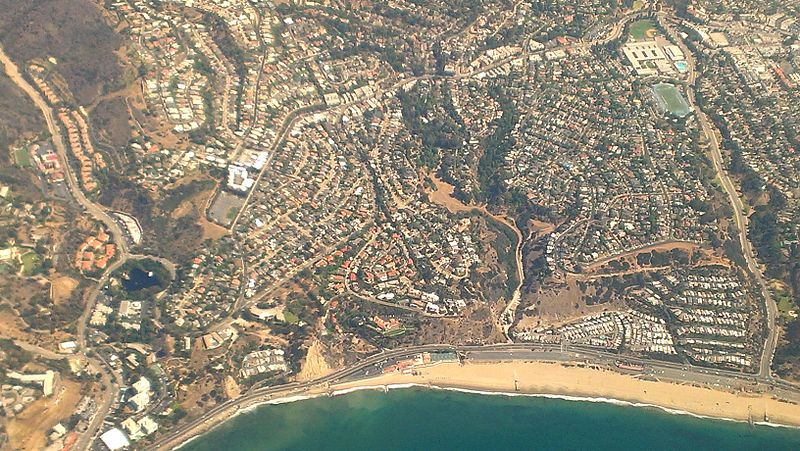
column 271, row 192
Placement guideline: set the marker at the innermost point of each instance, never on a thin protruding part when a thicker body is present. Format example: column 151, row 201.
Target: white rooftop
column 114, row 439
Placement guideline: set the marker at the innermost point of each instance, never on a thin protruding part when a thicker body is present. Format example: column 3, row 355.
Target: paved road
column 676, row 371
column 719, row 379
column 46, row 353
column 770, row 343
column 58, row 141
column 740, row 219
column 98, row 213
column 109, row 378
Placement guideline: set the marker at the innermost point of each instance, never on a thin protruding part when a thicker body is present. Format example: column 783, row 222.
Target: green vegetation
column 497, row 145
column 31, row 263
column 396, row 332
column 769, row 238
column 198, row 136
column 430, row 116
column 231, row 215
column 178, row 239
column 177, row 413
column 174, row 197
column 14, row 358
column 6, row 269
column 671, row 99
column 785, row 303
column 223, row 38
column 42, row 314
column 787, row 356
column 641, row 29
column 290, row 317
column 506, row 253
column 657, row 259
column 148, row 333
column 355, row 315
column 22, row 157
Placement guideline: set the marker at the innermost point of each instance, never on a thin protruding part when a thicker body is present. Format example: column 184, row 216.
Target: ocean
column 423, row 419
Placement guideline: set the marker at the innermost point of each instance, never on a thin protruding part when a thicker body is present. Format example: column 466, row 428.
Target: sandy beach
column 555, row 379
column 566, row 381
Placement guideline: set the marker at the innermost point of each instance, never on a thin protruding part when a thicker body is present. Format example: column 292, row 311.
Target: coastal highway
column 372, row 365
column 740, row 219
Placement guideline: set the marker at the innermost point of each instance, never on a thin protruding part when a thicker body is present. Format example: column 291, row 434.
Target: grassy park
column 642, row 30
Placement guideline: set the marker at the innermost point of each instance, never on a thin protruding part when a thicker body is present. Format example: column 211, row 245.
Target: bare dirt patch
column 315, row 365
column 478, row 324
column 541, row 227
column 28, row 429
column 11, row 325
column 232, row 389
column 212, row 231
column 131, row 90
column 443, row 195
column 61, row 288
column 199, row 202
column 557, row 305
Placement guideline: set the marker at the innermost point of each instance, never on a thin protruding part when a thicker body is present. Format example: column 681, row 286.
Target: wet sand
column 572, row 381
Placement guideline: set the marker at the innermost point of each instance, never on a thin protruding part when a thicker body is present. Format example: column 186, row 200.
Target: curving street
column 663, row 371
column 111, row 380
column 740, row 219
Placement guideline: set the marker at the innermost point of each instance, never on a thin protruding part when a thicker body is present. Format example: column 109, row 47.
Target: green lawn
column 395, row 332
column 232, row 213
column 290, row 317
column 672, row 99
column 785, row 303
column 30, row 263
column 22, row 157
column 638, row 30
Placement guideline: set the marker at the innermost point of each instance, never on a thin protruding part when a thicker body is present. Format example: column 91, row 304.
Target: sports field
column 22, row 157
column 642, row 30
column 670, row 99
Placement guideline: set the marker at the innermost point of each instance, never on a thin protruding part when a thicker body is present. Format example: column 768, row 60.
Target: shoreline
column 555, row 381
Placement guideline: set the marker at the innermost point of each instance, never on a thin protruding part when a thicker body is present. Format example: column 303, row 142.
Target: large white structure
column 673, row 52
column 646, row 57
column 142, row 397
column 139, row 429
column 142, row 385
column 48, row 381
column 115, row 439
column 239, row 179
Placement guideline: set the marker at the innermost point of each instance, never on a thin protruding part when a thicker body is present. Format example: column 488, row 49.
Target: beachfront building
column 138, row 429
column 259, row 362
column 115, row 439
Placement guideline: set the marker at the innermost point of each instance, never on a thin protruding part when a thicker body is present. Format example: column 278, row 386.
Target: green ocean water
column 419, row 419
